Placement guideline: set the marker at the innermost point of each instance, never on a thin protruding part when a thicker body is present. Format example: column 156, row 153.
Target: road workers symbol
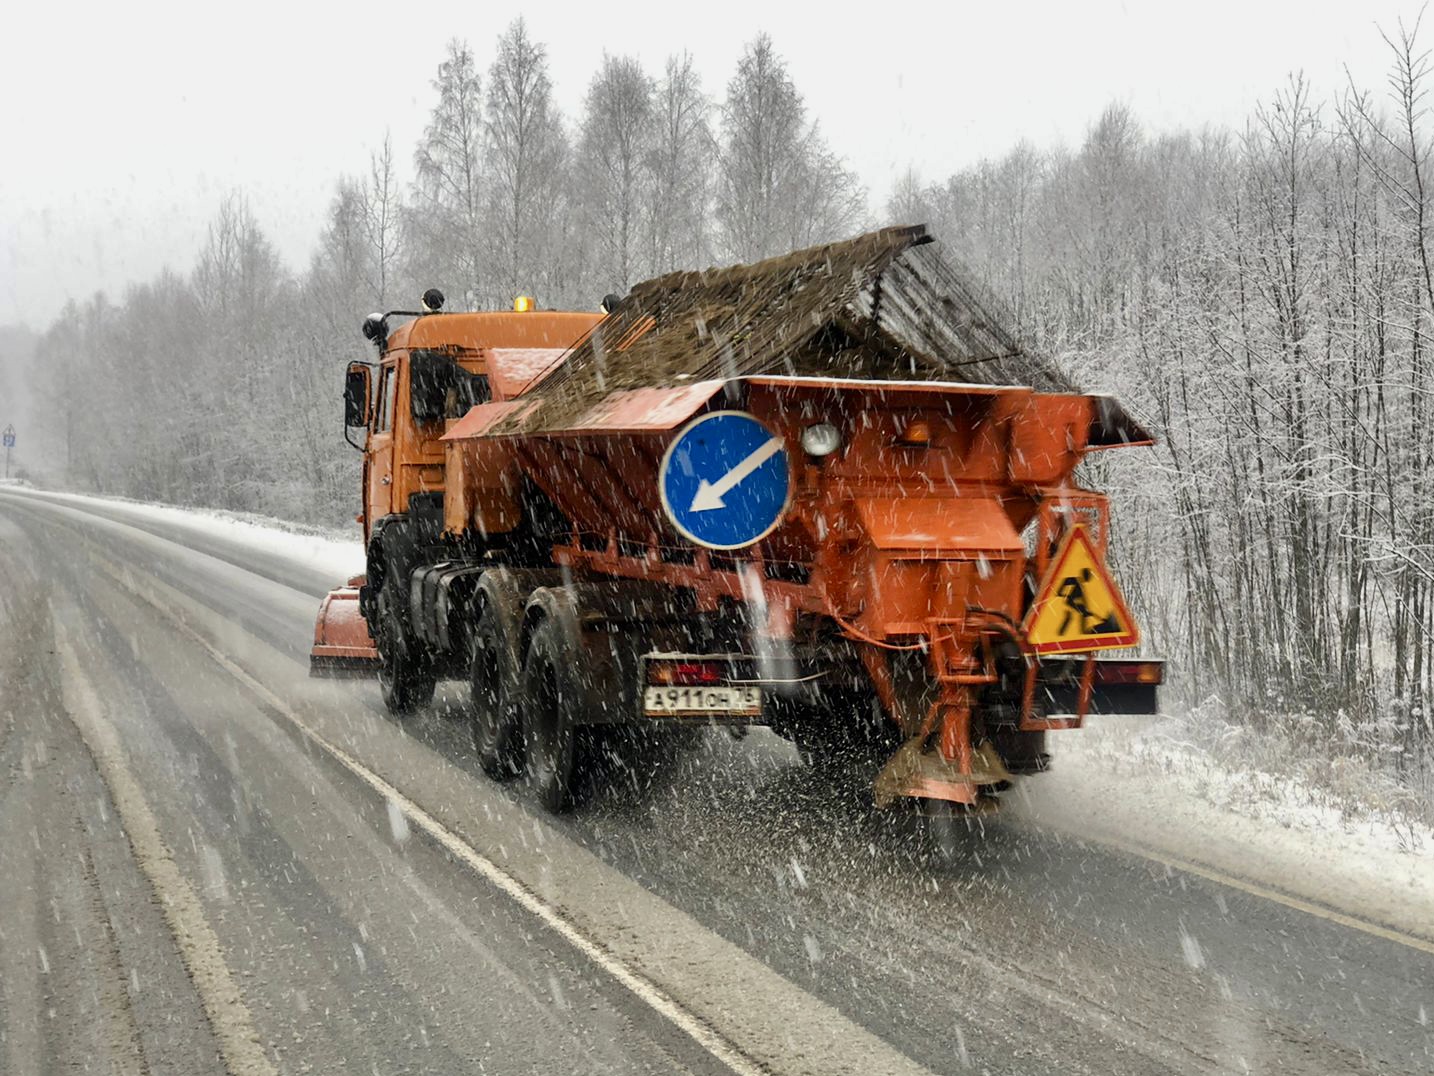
column 1078, row 606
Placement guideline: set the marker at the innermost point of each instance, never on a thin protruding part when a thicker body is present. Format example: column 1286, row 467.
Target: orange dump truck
column 828, row 493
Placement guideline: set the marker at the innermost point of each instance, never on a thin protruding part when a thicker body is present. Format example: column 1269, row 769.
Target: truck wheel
column 495, row 680
column 406, row 677
column 552, row 699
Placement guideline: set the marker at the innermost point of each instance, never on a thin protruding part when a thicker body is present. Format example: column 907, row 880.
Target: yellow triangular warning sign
column 1078, row 606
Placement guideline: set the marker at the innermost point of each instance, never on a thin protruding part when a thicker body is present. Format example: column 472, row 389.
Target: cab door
column 379, row 494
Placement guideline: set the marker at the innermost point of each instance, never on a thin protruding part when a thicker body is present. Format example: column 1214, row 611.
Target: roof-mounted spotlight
column 373, row 328
column 609, row 302
column 432, row 301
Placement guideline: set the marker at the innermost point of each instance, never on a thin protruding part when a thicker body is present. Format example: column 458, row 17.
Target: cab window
column 387, row 391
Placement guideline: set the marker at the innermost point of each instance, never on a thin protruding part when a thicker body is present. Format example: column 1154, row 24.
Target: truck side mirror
column 356, row 395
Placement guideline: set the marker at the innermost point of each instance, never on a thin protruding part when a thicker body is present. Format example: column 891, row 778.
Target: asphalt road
column 209, row 863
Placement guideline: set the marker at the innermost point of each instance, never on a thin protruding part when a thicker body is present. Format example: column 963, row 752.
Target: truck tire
column 406, row 677
column 553, row 698
column 495, row 679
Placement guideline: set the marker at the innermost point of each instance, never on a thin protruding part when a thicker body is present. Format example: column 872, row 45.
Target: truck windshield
column 441, row 389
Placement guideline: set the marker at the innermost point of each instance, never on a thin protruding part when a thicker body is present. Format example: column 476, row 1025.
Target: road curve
column 210, row 863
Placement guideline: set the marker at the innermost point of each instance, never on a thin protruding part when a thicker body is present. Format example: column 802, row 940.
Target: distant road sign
column 1079, row 607
column 7, row 439
column 725, row 480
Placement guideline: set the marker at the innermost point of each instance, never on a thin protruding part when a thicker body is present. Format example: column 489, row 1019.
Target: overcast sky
column 127, row 123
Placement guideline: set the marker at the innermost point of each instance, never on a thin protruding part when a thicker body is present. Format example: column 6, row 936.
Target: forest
column 1263, row 298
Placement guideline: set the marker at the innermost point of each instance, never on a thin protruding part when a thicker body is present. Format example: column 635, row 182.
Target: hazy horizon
column 157, row 133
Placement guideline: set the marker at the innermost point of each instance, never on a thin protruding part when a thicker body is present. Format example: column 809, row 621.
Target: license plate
column 703, row 700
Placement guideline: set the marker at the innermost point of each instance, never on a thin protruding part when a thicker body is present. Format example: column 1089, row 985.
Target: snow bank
column 335, row 553
column 1309, row 782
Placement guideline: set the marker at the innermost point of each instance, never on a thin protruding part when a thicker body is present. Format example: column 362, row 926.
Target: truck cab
column 430, row 371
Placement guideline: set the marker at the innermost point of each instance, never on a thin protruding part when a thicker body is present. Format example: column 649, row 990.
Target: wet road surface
column 194, row 881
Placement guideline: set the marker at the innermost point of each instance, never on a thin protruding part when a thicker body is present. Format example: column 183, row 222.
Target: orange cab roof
column 534, row 329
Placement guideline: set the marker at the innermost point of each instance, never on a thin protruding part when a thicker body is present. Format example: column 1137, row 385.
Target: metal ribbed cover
column 883, row 305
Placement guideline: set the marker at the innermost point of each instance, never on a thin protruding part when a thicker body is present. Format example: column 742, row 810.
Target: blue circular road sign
column 725, row 480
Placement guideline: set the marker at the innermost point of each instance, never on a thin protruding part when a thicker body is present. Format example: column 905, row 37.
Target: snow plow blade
column 342, row 645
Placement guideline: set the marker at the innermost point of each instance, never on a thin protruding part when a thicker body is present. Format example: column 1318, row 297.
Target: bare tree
column 680, row 167
column 382, row 219
column 828, row 201
column 616, row 143
column 910, row 201
column 446, row 220
column 242, row 294
column 527, row 153
column 764, row 129
column 59, row 369
column 780, row 185
column 1398, row 153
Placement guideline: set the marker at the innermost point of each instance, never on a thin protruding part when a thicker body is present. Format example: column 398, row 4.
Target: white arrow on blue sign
column 9, row 439
column 725, row 480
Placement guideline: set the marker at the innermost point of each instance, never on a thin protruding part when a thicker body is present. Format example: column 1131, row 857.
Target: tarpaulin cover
column 884, row 305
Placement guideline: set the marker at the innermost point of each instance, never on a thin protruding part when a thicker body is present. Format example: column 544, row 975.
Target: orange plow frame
column 342, row 644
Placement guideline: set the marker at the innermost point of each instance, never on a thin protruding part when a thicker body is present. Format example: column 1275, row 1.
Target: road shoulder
column 1094, row 792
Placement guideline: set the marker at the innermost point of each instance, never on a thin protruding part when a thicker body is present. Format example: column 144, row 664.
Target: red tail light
column 685, row 673
column 1129, row 672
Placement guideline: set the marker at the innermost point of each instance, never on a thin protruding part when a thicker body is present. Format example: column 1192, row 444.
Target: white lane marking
column 199, row 946
column 709, row 494
column 641, row 987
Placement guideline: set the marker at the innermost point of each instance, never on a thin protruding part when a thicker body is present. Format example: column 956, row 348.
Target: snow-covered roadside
column 1136, row 782
column 336, row 553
